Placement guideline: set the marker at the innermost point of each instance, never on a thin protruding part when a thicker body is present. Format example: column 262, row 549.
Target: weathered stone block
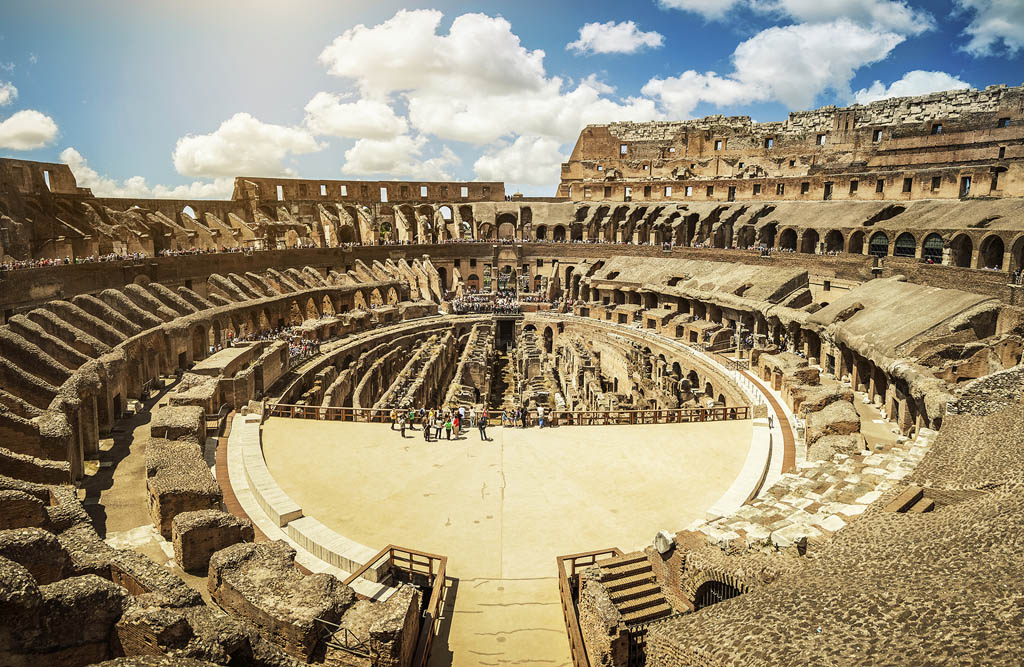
column 197, row 535
column 839, row 418
column 38, row 551
column 20, row 510
column 177, row 422
column 260, row 584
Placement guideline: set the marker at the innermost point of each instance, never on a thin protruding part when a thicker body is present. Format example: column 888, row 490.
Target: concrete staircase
column 631, row 585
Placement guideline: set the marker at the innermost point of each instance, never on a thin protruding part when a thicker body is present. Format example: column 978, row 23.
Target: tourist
column 448, row 427
column 394, row 418
column 412, row 419
column 540, row 416
column 456, row 420
column 462, row 413
column 482, row 426
column 472, row 417
column 522, row 415
column 426, row 428
column 402, row 420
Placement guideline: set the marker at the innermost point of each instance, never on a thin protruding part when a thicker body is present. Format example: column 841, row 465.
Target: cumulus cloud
column 709, row 9
column 326, row 114
column 529, row 160
column 612, row 37
column 136, row 187
column 7, row 93
column 886, row 15
column 242, row 145
column 475, row 84
column 916, row 82
column 790, row 64
column 399, row 156
column 479, row 55
column 27, row 130
column 993, row 21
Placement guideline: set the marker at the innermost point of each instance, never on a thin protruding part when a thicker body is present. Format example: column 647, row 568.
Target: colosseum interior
column 777, row 365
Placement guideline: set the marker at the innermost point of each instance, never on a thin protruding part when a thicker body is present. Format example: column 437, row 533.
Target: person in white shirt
column 540, row 416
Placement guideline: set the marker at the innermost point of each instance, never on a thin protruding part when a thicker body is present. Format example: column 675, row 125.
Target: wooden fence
column 552, row 418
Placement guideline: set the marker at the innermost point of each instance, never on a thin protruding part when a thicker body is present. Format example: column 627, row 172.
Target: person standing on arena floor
column 540, row 416
column 394, row 419
column 448, row 427
column 425, row 421
column 412, row 419
column 401, row 420
column 523, row 416
column 482, row 426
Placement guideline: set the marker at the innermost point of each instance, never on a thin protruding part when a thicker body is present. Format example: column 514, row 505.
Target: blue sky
column 173, row 99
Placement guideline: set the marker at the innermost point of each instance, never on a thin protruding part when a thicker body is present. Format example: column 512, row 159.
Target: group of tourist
column 90, row 259
column 299, row 347
column 503, row 302
column 434, row 423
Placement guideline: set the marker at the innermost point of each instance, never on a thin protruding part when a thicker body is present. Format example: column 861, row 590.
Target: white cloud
column 529, row 160
column 916, row 82
column 480, row 55
column 994, row 21
column 27, row 130
column 136, row 187
column 475, row 84
column 709, row 9
column 790, row 64
column 242, row 146
column 369, row 119
column 612, row 37
column 400, row 156
column 7, row 93
column 882, row 15
column 7, row 67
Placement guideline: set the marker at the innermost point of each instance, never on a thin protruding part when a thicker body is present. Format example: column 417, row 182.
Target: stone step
column 921, row 506
column 641, row 589
column 648, row 614
column 619, row 561
column 906, row 499
column 623, row 583
column 637, row 604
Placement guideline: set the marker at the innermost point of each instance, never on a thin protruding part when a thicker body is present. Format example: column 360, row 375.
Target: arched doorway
column 558, row 234
column 541, row 232
column 506, row 226
column 834, row 241
column 991, row 253
column 787, row 240
column 931, row 249
column 442, row 273
column 906, row 245
column 879, row 245
column 809, row 242
column 856, row 243
column 713, row 592
column 962, row 247
column 473, row 282
column 766, row 237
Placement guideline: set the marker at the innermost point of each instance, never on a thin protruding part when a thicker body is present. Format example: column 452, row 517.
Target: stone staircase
column 631, row 585
column 819, row 499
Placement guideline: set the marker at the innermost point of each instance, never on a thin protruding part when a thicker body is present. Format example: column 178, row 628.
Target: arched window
column 932, row 248
column 906, row 245
column 879, row 245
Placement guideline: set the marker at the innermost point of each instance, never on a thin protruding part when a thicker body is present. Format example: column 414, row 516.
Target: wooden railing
column 416, row 566
column 552, row 418
column 568, row 588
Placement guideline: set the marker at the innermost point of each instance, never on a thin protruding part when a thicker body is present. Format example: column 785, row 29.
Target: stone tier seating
column 819, row 499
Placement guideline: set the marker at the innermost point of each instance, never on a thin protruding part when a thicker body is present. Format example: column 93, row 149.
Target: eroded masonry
column 848, row 281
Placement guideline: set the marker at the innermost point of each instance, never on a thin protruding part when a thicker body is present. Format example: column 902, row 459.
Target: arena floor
column 503, row 510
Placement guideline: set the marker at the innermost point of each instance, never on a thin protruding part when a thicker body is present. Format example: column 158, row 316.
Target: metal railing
column 415, row 566
column 552, row 418
column 569, row 590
